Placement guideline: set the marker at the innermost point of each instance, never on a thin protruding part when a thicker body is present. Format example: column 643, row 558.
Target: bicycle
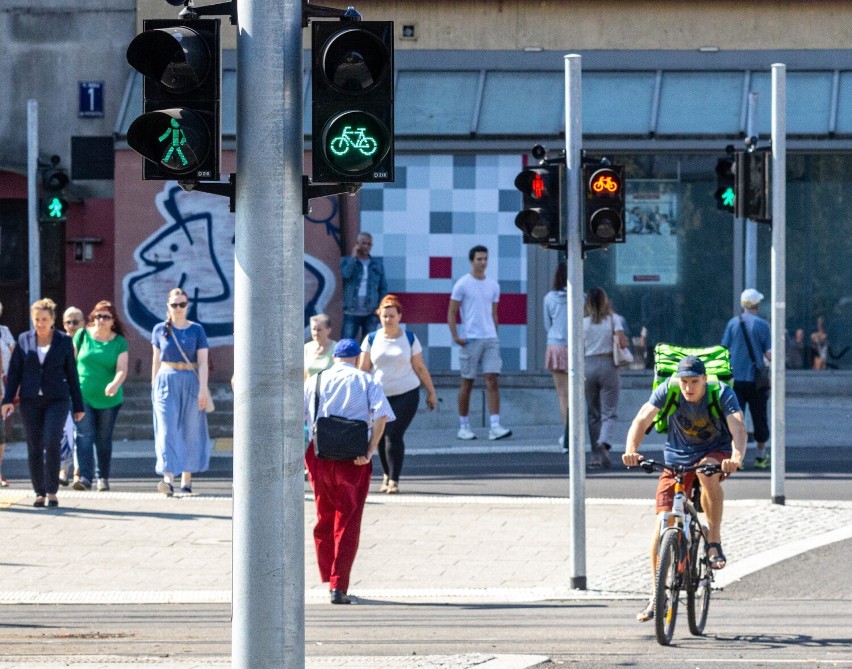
column 341, row 144
column 682, row 560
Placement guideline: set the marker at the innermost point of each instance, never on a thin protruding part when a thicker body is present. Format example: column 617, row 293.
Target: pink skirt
column 556, row 358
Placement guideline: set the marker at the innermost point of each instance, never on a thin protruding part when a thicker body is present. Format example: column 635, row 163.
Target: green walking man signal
column 728, row 197
column 178, row 140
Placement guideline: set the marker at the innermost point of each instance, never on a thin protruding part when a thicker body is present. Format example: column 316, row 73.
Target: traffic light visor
column 355, row 60
column 177, row 57
column 531, row 222
column 176, row 139
column 54, row 180
column 606, row 224
column 533, row 184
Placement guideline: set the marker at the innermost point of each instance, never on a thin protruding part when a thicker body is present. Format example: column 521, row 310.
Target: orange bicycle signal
column 605, row 182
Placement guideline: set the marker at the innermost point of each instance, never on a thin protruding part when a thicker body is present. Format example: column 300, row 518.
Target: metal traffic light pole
column 576, row 359
column 268, row 600
column 34, row 254
column 779, row 278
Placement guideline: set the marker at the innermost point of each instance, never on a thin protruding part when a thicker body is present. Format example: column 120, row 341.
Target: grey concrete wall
column 46, row 48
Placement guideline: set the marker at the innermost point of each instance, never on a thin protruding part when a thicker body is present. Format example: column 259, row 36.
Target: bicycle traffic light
column 179, row 132
column 752, row 173
column 541, row 193
column 352, row 101
column 726, row 184
column 53, row 206
column 603, row 186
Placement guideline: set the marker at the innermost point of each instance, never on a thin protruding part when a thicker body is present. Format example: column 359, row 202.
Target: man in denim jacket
column 364, row 285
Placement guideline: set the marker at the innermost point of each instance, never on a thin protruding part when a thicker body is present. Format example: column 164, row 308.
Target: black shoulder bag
column 761, row 373
column 339, row 438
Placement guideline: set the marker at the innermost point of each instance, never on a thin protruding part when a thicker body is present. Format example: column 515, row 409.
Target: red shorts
column 666, row 483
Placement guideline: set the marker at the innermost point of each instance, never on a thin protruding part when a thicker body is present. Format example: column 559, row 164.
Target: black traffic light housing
column 726, row 182
column 603, row 213
column 179, row 132
column 54, row 180
column 352, row 89
column 753, row 185
column 540, row 219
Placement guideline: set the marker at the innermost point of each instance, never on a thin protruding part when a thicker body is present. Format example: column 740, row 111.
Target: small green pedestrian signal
column 55, row 208
column 729, row 197
column 177, row 138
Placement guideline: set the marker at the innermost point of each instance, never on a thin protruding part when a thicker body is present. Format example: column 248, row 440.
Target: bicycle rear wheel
column 699, row 584
column 668, row 586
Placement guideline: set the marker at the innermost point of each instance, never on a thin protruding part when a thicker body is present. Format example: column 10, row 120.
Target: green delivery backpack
column 717, row 361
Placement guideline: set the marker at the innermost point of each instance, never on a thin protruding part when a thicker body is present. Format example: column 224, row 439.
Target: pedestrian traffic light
column 603, row 186
column 179, row 132
column 54, row 179
column 352, row 101
column 541, row 193
column 752, row 173
column 726, row 184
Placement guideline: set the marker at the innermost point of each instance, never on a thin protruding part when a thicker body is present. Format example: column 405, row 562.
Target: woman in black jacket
column 44, row 371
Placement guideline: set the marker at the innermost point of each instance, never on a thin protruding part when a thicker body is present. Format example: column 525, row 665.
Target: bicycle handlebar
column 708, row 469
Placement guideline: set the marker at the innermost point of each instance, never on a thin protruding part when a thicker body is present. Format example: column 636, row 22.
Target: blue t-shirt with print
column 693, row 431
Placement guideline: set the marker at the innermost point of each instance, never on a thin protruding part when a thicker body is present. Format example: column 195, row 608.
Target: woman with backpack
column 396, row 359
column 602, row 384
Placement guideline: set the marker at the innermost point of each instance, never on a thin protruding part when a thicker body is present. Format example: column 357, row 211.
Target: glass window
column 523, row 103
column 700, row 103
column 844, row 106
column 435, row 103
column 617, row 103
column 808, row 102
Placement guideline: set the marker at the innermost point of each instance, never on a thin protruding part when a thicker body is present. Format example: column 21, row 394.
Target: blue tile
column 509, row 200
column 400, row 177
column 372, row 199
column 438, row 358
column 464, row 223
column 440, row 222
column 464, row 177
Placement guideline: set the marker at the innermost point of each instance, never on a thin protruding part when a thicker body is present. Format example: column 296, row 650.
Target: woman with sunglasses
column 180, row 396
column 72, row 320
column 102, row 368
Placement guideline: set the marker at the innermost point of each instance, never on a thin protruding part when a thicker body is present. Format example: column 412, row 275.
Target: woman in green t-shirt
column 102, row 367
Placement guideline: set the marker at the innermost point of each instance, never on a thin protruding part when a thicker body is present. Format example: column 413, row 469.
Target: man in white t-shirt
column 477, row 298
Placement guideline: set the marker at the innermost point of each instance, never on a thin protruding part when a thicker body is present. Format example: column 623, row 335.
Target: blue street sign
column 91, row 99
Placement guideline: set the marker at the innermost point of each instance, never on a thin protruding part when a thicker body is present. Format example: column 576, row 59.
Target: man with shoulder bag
column 346, row 411
column 748, row 338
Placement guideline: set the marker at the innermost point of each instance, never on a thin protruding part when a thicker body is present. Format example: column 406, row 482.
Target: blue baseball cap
column 347, row 348
column 690, row 366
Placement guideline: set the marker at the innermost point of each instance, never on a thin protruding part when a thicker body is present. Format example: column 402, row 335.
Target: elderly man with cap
column 340, row 487
column 697, row 433
column 748, row 338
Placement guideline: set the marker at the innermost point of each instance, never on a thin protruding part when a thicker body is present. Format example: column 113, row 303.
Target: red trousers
column 340, row 491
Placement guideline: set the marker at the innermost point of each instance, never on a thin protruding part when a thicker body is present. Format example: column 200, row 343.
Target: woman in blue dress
column 180, row 396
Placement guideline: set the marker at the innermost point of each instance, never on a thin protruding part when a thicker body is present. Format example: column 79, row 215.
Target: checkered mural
column 423, row 226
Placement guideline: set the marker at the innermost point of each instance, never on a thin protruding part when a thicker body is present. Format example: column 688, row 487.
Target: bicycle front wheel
column 668, row 586
column 700, row 584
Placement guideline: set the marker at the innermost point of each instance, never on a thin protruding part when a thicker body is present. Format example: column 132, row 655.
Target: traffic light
column 53, row 183
column 603, row 186
column 179, row 132
column 541, row 217
column 726, row 184
column 352, row 101
column 752, row 173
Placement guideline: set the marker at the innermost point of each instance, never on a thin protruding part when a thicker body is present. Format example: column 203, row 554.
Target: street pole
column 268, row 598
column 738, row 263
column 779, row 278
column 751, row 226
column 576, row 360
column 34, row 267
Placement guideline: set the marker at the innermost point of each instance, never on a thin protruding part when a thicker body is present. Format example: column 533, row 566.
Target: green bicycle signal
column 341, row 144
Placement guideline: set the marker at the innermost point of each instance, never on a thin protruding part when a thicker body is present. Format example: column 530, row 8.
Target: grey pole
column 738, row 263
column 749, row 225
column 576, row 360
column 779, row 278
column 268, row 628
column 34, row 267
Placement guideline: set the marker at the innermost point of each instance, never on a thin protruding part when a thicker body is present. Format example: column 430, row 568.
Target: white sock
column 464, row 422
column 495, row 419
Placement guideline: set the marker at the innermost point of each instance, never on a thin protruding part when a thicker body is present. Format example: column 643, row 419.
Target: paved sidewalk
column 444, row 549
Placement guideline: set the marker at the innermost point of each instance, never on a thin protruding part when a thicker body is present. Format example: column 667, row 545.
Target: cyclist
column 694, row 435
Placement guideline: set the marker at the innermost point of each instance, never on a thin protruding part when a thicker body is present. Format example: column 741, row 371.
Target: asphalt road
column 777, row 617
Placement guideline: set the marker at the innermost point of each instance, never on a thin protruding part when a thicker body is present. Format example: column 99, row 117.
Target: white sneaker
column 498, row 432
column 465, row 433
column 562, row 441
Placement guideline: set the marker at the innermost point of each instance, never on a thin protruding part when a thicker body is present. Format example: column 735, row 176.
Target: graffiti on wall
column 194, row 249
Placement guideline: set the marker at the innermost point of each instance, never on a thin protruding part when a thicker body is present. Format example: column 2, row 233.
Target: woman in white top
column 602, row 385
column 556, row 354
column 396, row 358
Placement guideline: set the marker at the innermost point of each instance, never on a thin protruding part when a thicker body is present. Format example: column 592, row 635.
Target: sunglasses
column 178, row 305
column 102, row 317
column 69, row 322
